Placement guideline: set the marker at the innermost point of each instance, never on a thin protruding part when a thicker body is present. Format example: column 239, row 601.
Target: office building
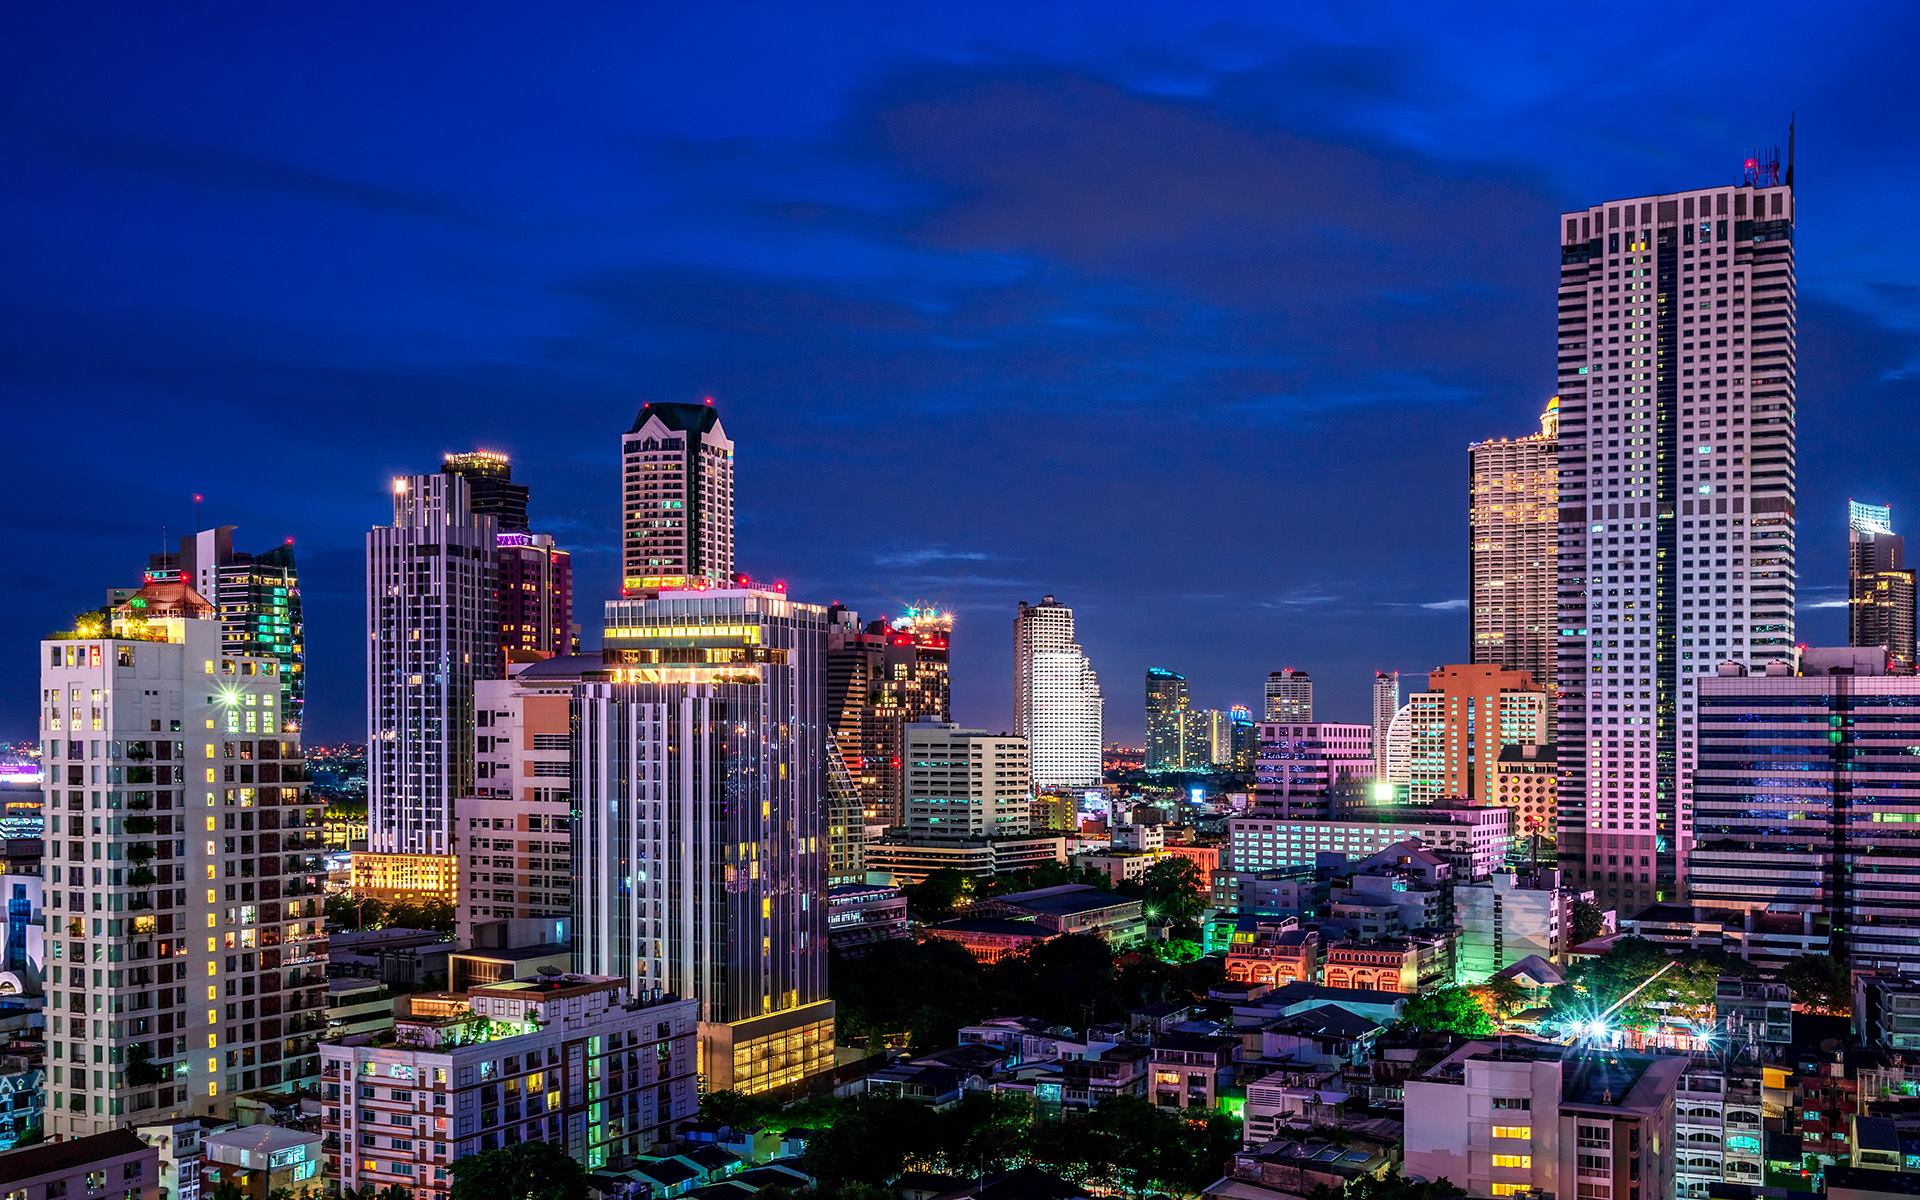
column 585, row 1064
column 1677, row 405
column 912, row 861
column 1526, row 779
column 1323, row 770
column 677, row 499
column 1513, row 530
column 1386, row 702
column 513, row 838
column 176, row 811
column 1508, row 916
column 1458, row 726
column 1475, row 840
column 1880, row 586
column 702, row 854
column 965, row 783
column 1057, row 703
column 1168, row 720
column 1524, row 1118
column 432, row 633
column 1397, row 784
column 1832, row 746
column 257, row 597
column 1290, row 697
column 534, row 590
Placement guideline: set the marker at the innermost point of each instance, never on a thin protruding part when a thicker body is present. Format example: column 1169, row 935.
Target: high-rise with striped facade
column 1676, row 352
column 1513, row 487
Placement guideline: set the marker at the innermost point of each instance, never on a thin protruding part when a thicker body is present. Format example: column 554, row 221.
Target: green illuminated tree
column 1448, row 1010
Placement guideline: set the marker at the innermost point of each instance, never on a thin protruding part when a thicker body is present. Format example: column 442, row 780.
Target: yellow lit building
column 1513, row 518
column 404, row 876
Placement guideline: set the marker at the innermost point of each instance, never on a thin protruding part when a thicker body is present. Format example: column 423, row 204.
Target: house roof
column 1541, row 972
column 1328, row 1020
column 50, row 1158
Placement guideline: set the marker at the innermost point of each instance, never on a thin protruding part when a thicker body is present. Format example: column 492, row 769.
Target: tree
column 525, row 1171
column 1174, row 891
column 1589, row 921
column 1394, row 1186
column 730, row 1107
column 1447, row 1010
column 935, row 897
column 1819, row 984
column 1503, row 995
column 925, row 990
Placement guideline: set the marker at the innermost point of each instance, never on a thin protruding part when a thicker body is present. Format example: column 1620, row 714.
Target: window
column 1513, row 1131
column 1523, row 1161
column 1522, row 1103
column 1511, row 1189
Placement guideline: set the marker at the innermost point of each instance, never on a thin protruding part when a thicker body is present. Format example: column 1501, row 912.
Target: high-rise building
column 1513, row 577
column 1167, row 720
column 879, row 679
column 1880, row 587
column 491, row 489
column 257, row 597
column 677, row 499
column 1831, row 746
column 432, row 633
column 965, row 784
column 533, row 578
column 1289, row 696
column 700, row 862
column 513, row 837
column 1057, row 702
column 1399, row 757
column 1458, row 726
column 167, row 756
column 1386, row 702
column 1677, row 403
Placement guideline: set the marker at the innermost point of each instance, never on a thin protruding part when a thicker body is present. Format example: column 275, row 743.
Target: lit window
column 1513, row 1131
column 1523, row 1161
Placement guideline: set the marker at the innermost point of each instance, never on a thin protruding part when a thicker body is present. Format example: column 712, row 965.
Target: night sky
column 1183, row 313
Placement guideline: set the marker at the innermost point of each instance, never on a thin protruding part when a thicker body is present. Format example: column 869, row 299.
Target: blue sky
column 1182, row 313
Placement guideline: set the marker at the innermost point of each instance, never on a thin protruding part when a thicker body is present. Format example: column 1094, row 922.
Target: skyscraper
column 257, row 599
column 965, row 784
column 880, row 678
column 1166, row 720
column 165, row 754
column 701, row 857
column 1289, row 696
column 1057, row 702
column 1676, row 344
column 491, row 488
column 677, row 498
column 1513, row 581
column 432, row 632
column 1386, row 702
column 1880, row 588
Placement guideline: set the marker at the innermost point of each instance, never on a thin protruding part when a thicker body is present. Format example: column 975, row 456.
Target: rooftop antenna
column 1791, row 117
column 196, row 512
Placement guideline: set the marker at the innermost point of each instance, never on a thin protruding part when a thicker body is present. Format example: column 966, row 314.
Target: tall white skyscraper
column 1386, row 702
column 1677, row 384
column 676, row 496
column 1289, row 696
column 175, row 811
column 1057, row 701
column 431, row 634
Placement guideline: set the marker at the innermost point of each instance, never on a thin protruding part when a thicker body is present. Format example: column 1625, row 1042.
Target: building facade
column 1289, row 696
column 1513, row 514
column 1476, row 839
column 1057, row 703
column 676, row 498
column 491, row 490
column 1677, row 406
column 176, row 812
column 258, row 599
column 1386, row 702
column 581, row 1063
column 965, row 783
column 1168, row 720
column 1880, row 586
column 1507, row 917
column 1458, row 726
column 1320, row 770
column 431, row 623
column 1831, row 752
column 699, row 773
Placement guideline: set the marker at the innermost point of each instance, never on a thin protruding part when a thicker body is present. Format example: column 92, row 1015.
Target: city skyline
column 1359, row 421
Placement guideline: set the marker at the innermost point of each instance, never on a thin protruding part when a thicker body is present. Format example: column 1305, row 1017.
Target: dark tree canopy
column 527, row 1171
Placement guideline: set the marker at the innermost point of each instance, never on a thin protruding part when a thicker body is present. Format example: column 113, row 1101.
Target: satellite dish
column 550, row 971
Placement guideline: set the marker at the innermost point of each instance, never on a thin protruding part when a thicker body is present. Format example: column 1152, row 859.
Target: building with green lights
column 257, row 597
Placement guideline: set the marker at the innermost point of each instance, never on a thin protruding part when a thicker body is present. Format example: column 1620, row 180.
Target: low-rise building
column 1075, row 908
column 1273, row 950
column 1285, row 892
column 1411, row 963
column 1475, row 840
column 1121, row 866
column 1518, row 1117
column 182, row 1149
column 116, row 1165
column 860, row 914
column 1508, row 917
column 911, row 862
column 262, row 1161
column 1091, row 1080
column 990, row 939
column 1192, row 1070
column 358, row 1006
column 578, row 1061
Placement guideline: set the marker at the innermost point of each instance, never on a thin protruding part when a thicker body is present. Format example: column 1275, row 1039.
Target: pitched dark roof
column 696, row 418
column 52, row 1157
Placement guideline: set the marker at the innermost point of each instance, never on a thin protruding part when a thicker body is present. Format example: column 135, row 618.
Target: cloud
column 917, row 558
column 1445, row 605
column 1825, row 604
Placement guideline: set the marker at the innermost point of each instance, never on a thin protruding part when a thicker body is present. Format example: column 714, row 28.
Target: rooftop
column 51, row 1158
column 1064, row 900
